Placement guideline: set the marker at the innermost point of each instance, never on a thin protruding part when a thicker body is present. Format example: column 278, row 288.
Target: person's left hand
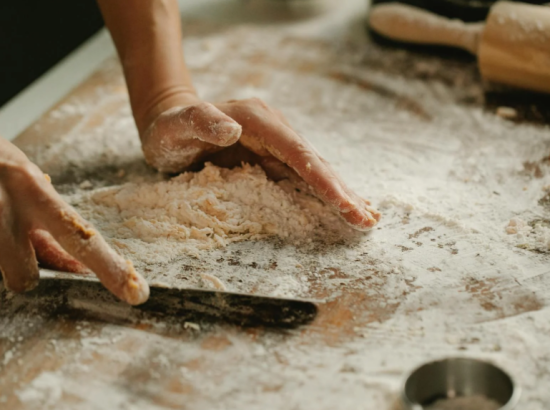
column 183, row 135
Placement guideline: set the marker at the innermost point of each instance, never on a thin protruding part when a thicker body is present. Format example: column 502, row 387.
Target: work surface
column 443, row 275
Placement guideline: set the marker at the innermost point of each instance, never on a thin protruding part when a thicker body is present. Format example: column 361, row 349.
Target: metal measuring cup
column 458, row 377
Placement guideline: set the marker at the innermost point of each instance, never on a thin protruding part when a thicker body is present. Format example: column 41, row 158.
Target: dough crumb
column 86, row 185
column 211, row 281
column 508, row 113
column 517, row 225
column 192, row 326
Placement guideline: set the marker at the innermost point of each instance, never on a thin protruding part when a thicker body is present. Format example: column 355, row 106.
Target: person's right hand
column 37, row 225
column 183, row 135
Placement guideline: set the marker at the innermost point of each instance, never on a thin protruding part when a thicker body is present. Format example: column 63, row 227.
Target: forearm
column 147, row 35
column 10, row 157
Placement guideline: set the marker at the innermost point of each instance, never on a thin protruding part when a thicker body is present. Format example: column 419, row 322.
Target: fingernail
column 31, row 283
column 348, row 205
column 228, row 132
column 136, row 290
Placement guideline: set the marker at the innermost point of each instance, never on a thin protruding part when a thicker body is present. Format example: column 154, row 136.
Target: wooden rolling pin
column 513, row 46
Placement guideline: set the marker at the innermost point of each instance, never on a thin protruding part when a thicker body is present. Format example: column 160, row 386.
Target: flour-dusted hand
column 183, row 135
column 37, row 225
column 267, row 133
column 177, row 128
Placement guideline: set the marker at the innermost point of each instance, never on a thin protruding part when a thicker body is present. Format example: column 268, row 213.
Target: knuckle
column 152, row 156
column 26, row 173
column 256, row 102
column 323, row 160
column 203, row 105
column 20, row 279
column 277, row 112
column 196, row 110
column 22, row 178
column 302, row 150
column 78, row 227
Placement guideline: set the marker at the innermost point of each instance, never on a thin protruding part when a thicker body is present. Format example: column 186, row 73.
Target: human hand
column 183, row 135
column 37, row 225
column 177, row 128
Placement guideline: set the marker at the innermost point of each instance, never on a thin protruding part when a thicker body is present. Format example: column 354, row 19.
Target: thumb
column 210, row 125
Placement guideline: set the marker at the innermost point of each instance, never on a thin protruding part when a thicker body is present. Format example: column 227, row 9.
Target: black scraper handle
column 66, row 293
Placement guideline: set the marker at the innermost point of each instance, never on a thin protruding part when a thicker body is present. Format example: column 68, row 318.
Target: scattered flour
column 517, row 226
column 542, row 237
column 43, row 391
column 7, row 357
column 534, row 236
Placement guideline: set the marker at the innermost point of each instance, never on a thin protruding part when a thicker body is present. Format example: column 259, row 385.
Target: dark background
column 36, row 34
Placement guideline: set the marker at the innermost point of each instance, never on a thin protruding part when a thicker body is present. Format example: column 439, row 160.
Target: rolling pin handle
column 410, row 24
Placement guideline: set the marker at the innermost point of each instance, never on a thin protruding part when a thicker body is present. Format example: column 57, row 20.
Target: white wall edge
column 27, row 106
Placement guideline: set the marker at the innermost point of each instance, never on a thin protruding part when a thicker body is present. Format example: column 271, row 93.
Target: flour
column 508, row 113
column 157, row 222
column 518, row 226
column 7, row 357
column 43, row 391
column 534, row 238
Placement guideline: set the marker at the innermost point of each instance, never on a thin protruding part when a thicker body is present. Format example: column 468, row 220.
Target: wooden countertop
column 421, row 287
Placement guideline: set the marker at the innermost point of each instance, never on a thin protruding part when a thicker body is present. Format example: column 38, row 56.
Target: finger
column 17, row 260
column 361, row 215
column 363, row 203
column 265, row 132
column 210, row 125
column 183, row 136
column 358, row 212
column 350, row 192
column 355, row 217
column 84, row 243
column 299, row 155
column 277, row 170
column 203, row 122
column 233, row 156
column 171, row 155
column 52, row 256
column 280, row 116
